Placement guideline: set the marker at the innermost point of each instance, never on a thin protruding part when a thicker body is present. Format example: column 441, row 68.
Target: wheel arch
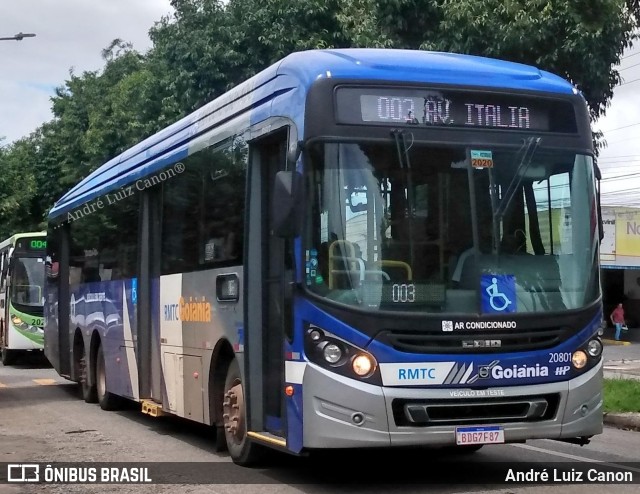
column 221, row 357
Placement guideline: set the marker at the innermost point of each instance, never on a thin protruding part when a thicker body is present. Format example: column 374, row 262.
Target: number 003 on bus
column 479, row 435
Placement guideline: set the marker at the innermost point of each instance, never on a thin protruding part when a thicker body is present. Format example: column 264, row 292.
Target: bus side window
column 203, row 210
column 5, row 266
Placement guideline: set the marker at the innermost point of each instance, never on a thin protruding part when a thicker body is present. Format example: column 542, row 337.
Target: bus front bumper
column 339, row 412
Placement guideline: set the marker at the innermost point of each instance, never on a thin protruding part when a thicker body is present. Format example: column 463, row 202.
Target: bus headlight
column 315, row 334
column 594, row 348
column 339, row 356
column 362, row 365
column 19, row 323
column 579, row 359
column 332, row 353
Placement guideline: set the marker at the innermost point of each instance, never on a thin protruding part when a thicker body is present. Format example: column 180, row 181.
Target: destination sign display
column 453, row 108
column 28, row 244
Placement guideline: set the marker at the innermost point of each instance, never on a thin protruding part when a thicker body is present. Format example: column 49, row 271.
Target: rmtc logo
column 188, row 310
column 171, row 312
column 413, row 374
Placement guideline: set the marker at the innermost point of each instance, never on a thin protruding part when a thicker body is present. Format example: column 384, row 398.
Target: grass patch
column 621, row 395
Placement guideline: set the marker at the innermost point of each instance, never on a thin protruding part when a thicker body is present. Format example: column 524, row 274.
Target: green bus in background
column 22, row 264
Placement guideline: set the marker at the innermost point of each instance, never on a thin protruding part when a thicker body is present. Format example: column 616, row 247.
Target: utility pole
column 19, row 37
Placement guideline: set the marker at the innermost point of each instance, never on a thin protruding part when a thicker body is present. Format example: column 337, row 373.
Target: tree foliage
column 205, row 47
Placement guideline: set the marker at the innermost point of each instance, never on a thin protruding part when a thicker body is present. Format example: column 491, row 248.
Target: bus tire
column 8, row 356
column 89, row 391
column 107, row 400
column 242, row 450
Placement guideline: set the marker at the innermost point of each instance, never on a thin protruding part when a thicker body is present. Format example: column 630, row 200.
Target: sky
column 70, row 34
column 619, row 161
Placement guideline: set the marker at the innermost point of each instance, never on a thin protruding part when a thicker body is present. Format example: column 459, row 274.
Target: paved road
column 622, row 360
column 42, row 420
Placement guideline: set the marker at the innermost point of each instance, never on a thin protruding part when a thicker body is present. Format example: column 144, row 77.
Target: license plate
column 479, row 435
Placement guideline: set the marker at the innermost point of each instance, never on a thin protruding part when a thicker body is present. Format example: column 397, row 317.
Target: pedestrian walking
column 617, row 318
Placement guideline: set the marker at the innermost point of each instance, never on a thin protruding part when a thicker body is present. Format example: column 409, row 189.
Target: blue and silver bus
column 353, row 248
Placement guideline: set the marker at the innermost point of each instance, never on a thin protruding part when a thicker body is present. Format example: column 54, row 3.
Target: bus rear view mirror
column 285, row 204
column 535, row 173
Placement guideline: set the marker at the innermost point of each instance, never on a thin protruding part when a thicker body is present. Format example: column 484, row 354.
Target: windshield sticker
column 311, row 267
column 481, row 159
column 498, row 293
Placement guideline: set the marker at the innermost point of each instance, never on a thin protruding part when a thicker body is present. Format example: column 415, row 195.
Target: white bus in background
column 21, row 294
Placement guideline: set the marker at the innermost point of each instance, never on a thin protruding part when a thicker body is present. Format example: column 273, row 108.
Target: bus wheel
column 8, row 356
column 234, row 414
column 89, row 391
column 107, row 400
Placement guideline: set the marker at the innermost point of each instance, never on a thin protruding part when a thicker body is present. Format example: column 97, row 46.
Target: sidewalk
column 623, row 369
column 626, row 338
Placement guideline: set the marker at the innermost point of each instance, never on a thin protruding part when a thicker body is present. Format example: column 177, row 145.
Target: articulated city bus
column 22, row 294
column 354, row 248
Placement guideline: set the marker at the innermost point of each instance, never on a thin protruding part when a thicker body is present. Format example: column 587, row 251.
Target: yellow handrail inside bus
column 397, row 264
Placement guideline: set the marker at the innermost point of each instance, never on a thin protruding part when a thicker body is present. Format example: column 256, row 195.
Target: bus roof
column 16, row 236
column 298, row 71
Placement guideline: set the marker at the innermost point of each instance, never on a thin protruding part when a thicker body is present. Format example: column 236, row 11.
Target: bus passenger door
column 148, row 298
column 268, row 302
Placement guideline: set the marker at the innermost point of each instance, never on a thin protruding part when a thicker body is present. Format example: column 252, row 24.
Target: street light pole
column 19, row 37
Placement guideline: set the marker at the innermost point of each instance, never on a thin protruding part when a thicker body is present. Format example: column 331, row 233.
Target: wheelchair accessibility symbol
column 498, row 293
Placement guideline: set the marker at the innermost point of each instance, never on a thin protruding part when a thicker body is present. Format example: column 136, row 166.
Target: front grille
column 427, row 413
column 473, row 341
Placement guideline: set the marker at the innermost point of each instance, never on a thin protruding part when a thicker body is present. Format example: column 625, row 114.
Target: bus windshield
column 417, row 227
column 27, row 281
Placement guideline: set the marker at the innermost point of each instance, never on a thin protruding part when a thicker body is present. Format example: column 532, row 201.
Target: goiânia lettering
column 188, row 310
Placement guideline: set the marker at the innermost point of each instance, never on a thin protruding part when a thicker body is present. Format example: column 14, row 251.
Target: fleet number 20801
column 559, row 357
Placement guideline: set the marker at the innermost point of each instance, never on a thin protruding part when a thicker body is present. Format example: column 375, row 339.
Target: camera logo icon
column 23, row 472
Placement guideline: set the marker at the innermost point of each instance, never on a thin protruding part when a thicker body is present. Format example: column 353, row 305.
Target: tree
column 208, row 46
column 593, row 34
column 17, row 187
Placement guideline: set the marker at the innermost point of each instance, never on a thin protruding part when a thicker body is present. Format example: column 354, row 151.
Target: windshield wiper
column 528, row 150
column 405, row 164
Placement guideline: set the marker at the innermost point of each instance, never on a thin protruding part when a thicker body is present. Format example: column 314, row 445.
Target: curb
column 628, row 421
column 615, row 342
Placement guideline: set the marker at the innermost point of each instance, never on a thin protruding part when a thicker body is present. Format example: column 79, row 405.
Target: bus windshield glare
column 426, row 228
